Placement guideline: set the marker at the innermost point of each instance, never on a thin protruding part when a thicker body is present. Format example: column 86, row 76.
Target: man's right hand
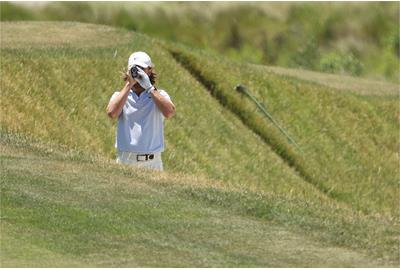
column 131, row 81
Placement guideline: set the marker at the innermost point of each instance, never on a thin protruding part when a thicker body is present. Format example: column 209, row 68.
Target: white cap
column 141, row 59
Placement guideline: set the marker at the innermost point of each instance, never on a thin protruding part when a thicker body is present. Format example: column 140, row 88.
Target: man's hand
column 131, row 81
column 144, row 80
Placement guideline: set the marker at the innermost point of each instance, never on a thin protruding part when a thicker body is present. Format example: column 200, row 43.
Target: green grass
column 72, row 112
column 338, row 82
column 349, row 142
column 359, row 39
column 230, row 175
column 61, row 210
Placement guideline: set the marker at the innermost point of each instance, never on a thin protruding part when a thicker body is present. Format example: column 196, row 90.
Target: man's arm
column 116, row 105
column 166, row 107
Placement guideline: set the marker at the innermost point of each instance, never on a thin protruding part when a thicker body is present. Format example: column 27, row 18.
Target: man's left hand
column 144, row 80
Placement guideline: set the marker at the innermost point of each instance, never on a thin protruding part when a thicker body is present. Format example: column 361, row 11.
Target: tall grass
column 359, row 39
column 350, row 147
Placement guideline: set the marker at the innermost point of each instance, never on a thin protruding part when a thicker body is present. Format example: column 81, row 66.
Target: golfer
column 140, row 108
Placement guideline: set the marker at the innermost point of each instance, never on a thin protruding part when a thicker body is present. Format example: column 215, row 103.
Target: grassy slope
column 344, row 136
column 72, row 111
column 58, row 107
column 62, row 210
column 339, row 82
column 326, row 38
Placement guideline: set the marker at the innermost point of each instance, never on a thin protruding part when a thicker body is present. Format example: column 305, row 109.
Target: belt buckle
column 145, row 156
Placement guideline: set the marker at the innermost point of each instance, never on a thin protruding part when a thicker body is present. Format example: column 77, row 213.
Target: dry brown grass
column 45, row 34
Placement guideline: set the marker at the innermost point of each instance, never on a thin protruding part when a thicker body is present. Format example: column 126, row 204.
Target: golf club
column 242, row 89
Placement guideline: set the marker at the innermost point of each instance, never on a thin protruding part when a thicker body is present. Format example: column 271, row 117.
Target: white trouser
column 131, row 158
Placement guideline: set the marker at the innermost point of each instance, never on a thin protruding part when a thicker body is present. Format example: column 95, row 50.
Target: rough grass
column 349, row 142
column 356, row 38
column 58, row 107
column 339, row 82
column 58, row 94
column 14, row 35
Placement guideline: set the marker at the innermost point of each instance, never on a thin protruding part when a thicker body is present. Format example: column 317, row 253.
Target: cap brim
column 143, row 65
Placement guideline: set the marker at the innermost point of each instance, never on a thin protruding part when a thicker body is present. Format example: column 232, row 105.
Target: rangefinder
column 134, row 71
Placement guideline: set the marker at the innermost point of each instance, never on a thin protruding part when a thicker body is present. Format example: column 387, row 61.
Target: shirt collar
column 141, row 96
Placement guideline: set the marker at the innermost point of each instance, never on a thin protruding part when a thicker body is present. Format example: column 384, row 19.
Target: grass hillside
column 340, row 192
column 358, row 39
column 60, row 209
column 349, row 142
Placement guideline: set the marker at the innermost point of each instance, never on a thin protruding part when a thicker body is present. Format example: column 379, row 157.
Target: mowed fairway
column 234, row 193
column 60, row 212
